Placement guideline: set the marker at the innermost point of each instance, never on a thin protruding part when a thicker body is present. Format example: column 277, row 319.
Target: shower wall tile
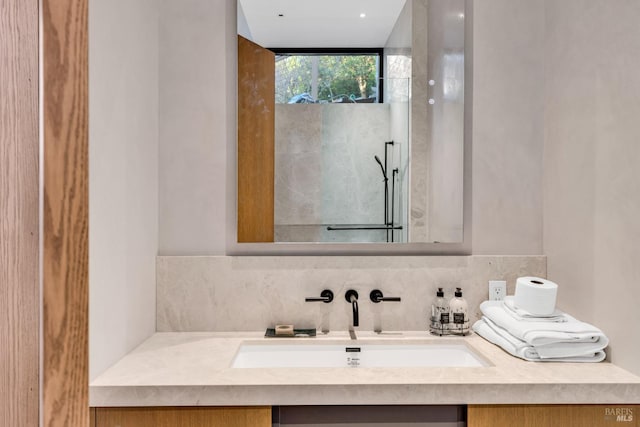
column 325, row 167
column 225, row 293
column 298, row 164
column 353, row 187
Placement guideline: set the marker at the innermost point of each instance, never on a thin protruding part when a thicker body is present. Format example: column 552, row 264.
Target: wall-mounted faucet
column 352, row 297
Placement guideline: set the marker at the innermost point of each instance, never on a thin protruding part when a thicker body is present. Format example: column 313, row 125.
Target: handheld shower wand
column 384, row 172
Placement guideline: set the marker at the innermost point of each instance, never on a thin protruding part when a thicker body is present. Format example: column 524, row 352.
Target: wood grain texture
column 552, row 415
column 184, row 417
column 92, row 417
column 65, row 217
column 256, row 142
column 19, row 217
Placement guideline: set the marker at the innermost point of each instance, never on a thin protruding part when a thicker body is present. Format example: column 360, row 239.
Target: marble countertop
column 191, row 369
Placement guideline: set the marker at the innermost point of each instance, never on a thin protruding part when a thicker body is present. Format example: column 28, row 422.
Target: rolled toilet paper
column 536, row 295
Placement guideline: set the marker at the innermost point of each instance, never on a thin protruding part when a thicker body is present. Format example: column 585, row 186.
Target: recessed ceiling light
column 363, row 15
column 461, row 15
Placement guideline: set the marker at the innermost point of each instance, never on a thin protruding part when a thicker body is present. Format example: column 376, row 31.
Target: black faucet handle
column 326, row 296
column 377, row 296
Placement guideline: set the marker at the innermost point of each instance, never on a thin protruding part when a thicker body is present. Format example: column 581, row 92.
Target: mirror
column 380, row 160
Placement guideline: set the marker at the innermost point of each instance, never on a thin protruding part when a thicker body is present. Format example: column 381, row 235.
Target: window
column 328, row 75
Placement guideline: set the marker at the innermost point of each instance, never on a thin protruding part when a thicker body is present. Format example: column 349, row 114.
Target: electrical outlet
column 497, row 290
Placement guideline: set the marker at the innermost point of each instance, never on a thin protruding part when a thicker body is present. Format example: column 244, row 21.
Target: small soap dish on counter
column 288, row 331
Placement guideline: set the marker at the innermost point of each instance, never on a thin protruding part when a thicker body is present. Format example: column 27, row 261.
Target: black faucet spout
column 356, row 316
column 352, row 297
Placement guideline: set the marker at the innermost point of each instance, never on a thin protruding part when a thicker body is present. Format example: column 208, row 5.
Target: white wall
column 507, row 139
column 123, row 176
column 194, row 85
column 592, row 183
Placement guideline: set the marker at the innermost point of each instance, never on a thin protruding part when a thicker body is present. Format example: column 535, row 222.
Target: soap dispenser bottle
column 459, row 313
column 440, row 314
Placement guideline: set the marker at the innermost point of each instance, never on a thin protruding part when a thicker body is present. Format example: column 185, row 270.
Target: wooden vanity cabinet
column 477, row 416
column 553, row 415
column 181, row 417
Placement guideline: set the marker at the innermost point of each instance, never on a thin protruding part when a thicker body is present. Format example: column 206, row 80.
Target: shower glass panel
column 329, row 187
column 445, row 130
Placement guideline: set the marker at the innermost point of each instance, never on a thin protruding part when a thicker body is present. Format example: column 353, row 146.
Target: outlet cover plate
column 497, row 290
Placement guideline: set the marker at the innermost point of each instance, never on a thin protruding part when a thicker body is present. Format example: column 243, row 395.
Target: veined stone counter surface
column 194, row 369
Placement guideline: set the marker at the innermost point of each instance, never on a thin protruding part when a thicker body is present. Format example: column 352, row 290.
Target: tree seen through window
column 326, row 78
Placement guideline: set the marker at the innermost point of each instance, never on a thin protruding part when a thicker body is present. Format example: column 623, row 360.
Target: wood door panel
column 65, row 264
column 256, row 142
column 184, row 417
column 19, row 214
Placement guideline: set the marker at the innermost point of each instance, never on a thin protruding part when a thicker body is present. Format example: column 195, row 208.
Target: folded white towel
column 538, row 334
column 520, row 314
column 512, row 345
column 547, row 351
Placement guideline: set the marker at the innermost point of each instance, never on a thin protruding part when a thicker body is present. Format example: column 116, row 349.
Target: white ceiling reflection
column 319, row 23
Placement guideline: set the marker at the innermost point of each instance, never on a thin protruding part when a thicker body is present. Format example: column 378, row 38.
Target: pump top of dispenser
column 440, row 293
column 458, row 292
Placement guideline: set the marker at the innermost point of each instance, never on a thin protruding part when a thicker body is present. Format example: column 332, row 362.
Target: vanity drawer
column 553, row 415
column 182, row 417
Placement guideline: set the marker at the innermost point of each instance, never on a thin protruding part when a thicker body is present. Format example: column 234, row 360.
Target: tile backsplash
column 248, row 293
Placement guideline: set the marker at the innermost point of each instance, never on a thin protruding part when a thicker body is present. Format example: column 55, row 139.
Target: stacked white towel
column 555, row 338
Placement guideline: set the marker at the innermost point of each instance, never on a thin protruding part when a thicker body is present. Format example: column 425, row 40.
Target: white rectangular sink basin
column 355, row 354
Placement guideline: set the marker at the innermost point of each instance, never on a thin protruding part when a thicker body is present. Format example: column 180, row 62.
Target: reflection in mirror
column 369, row 117
column 339, row 171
